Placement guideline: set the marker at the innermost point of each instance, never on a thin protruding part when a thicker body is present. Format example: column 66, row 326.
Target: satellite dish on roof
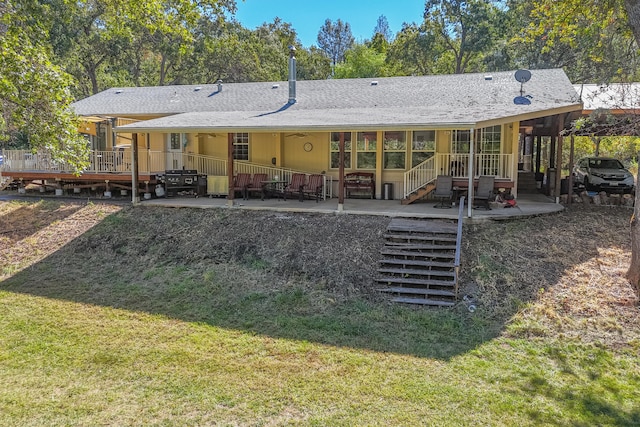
column 523, row 76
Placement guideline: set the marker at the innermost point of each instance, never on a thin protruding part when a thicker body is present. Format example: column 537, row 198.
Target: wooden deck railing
column 457, row 165
column 151, row 162
column 419, row 176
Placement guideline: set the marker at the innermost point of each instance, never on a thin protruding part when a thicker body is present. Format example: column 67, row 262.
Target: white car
column 603, row 173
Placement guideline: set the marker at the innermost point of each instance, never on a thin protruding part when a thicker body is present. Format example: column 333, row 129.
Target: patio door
column 175, row 142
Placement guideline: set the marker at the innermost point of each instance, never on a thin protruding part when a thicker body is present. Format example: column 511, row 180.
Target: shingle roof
column 441, row 100
column 613, row 96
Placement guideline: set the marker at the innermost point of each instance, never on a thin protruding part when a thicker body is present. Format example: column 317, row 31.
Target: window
column 241, row 146
column 334, row 148
column 395, row 149
column 175, row 140
column 460, row 141
column 366, row 145
column 489, row 139
column 423, row 146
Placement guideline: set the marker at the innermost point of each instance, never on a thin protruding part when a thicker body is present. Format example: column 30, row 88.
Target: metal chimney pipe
column 219, row 82
column 292, row 74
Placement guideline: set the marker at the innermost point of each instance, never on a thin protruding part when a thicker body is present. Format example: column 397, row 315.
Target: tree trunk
column 633, row 274
column 633, row 15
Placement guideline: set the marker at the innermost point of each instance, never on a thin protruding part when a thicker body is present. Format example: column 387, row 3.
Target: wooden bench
column 360, row 182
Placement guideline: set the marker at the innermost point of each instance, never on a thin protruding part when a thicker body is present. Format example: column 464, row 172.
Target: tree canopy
column 56, row 51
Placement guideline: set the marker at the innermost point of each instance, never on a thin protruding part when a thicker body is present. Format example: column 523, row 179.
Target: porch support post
column 135, row 179
column 570, row 183
column 538, row 152
column 341, row 173
column 472, row 160
column 231, row 194
column 559, row 158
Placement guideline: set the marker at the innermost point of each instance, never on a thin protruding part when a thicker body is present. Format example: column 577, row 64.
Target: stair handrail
column 419, row 176
column 456, row 262
column 459, row 232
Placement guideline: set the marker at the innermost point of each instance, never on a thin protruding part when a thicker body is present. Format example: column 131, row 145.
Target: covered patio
column 527, row 205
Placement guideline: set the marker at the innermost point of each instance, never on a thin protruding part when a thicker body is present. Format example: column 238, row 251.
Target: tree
column 361, row 61
column 413, row 51
column 465, row 30
column 335, row 39
column 34, row 93
column 592, row 44
column 560, row 23
column 313, row 64
column 382, row 28
column 107, row 42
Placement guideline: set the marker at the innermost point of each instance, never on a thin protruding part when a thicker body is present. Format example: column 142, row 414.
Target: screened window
column 423, row 146
column 334, row 148
column 241, row 146
column 395, row 149
column 366, row 145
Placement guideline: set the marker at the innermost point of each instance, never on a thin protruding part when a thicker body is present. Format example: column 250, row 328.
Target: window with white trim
column 489, row 139
column 175, row 141
column 241, row 146
column 334, row 148
column 366, row 146
column 460, row 141
column 395, row 149
column 489, row 160
column 423, row 146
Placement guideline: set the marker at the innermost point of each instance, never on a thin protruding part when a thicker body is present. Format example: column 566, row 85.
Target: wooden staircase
column 527, row 183
column 418, row 263
column 419, row 193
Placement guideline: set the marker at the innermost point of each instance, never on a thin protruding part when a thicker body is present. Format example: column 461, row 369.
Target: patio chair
column 313, row 188
column 443, row 191
column 256, row 184
column 484, row 193
column 295, row 186
column 241, row 182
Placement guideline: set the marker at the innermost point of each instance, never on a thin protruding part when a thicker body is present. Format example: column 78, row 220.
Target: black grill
column 184, row 181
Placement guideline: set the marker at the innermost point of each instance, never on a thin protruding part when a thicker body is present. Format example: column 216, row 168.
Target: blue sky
column 307, row 16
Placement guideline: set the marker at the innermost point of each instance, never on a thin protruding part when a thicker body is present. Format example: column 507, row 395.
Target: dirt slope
column 567, row 269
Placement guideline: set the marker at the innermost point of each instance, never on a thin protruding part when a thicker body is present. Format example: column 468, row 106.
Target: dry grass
column 123, row 316
column 562, row 275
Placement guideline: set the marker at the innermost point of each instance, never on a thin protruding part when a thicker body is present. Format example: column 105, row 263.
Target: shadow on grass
column 587, row 385
column 29, row 218
column 192, row 265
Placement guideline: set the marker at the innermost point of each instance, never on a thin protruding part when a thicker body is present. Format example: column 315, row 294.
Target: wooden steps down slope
column 418, row 194
column 417, row 263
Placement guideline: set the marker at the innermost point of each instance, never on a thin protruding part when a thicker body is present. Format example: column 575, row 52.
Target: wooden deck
column 68, row 180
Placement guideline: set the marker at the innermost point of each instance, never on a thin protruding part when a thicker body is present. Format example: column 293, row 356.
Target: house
column 403, row 130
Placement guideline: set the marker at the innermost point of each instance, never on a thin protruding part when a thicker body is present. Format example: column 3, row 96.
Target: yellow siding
column 214, row 145
column 295, row 157
column 263, row 147
column 510, row 138
column 443, row 141
column 157, row 141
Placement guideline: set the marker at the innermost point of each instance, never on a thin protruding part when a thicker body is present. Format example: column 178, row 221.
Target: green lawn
column 84, row 342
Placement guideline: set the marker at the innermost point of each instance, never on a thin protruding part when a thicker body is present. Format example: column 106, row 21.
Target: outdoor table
column 272, row 188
